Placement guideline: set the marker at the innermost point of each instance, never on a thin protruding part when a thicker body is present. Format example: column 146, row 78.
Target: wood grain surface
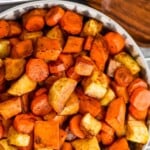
column 133, row 15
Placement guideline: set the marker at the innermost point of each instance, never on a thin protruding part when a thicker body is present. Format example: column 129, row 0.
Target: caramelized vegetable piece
column 136, row 83
column 140, row 98
column 14, row 28
column 23, row 49
column 40, row 91
column 60, row 92
column 66, row 146
column 54, row 15
column 88, row 43
column 62, row 137
column 73, row 45
column 11, row 71
column 120, row 143
column 74, row 126
column 123, row 76
column 4, row 145
column 137, row 114
column 23, row 85
column 4, row 26
column 115, row 42
column 4, row 48
column 99, row 52
column 48, row 49
column 37, row 69
column 84, row 66
column 1, row 130
column 2, row 75
column 24, row 123
column 48, row 137
column 40, row 106
column 115, row 116
column 10, row 107
column 72, row 22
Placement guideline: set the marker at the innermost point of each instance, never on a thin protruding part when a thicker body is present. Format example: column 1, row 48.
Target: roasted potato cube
column 86, row 144
column 72, row 105
column 96, row 85
column 23, row 85
column 91, row 28
column 128, row 61
column 109, row 96
column 5, row 146
column 18, row 139
column 137, row 131
column 4, row 48
column 13, row 68
column 60, row 92
column 90, row 125
column 56, row 33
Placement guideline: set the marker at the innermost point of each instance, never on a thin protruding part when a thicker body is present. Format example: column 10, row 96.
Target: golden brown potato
column 4, row 48
column 13, row 68
column 128, row 61
column 72, row 105
column 60, row 92
column 4, row 145
column 91, row 28
column 86, row 144
column 23, row 85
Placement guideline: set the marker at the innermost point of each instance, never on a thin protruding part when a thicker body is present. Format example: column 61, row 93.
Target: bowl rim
column 72, row 3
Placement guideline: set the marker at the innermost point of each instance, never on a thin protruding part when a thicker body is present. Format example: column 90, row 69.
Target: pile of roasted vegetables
column 66, row 82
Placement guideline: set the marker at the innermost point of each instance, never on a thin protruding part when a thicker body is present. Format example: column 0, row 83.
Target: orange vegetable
column 13, row 41
column 67, row 59
column 99, row 52
column 137, row 114
column 25, row 102
column 136, row 83
column 56, row 66
column 73, row 45
column 72, row 74
column 4, row 28
column 62, row 137
column 10, row 107
column 1, row 130
column 115, row 116
column 54, row 15
column 120, row 143
column 88, row 43
column 40, row 91
column 48, row 136
column 24, row 123
column 66, row 146
column 123, row 76
column 2, row 75
column 40, row 105
column 140, row 98
column 84, row 66
column 71, row 22
column 115, row 42
column 15, row 28
column 48, row 49
column 23, row 49
column 37, row 69
column 74, row 126
column 121, row 91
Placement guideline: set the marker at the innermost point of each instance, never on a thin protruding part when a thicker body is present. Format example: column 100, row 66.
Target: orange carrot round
column 40, row 91
column 4, row 28
column 115, row 42
column 24, row 123
column 1, row 130
column 74, row 125
column 66, row 146
column 37, row 69
column 54, row 15
column 123, row 76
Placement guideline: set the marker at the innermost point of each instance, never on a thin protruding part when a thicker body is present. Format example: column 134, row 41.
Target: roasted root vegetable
column 4, row 48
column 4, row 145
column 4, row 25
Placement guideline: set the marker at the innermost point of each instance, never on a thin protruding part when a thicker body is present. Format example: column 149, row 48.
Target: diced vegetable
column 4, row 48
column 4, row 145
column 4, row 26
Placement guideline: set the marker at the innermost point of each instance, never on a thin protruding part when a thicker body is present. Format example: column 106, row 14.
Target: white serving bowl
column 134, row 50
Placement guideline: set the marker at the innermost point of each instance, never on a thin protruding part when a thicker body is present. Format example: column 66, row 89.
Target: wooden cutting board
column 133, row 15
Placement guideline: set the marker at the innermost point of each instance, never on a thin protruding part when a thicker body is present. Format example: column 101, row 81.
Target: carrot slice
column 40, row 91
column 115, row 42
column 72, row 22
column 37, row 69
column 24, row 123
column 1, row 130
column 137, row 114
column 62, row 137
column 140, row 98
column 138, row 82
column 74, row 125
column 88, row 43
column 67, row 146
column 4, row 28
column 123, row 76
column 54, row 15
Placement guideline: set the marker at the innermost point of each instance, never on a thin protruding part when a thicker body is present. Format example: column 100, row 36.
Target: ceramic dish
column 134, row 50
